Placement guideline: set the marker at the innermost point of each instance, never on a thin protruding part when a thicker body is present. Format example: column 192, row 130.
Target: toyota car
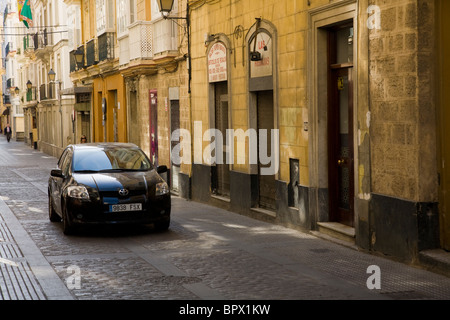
column 107, row 183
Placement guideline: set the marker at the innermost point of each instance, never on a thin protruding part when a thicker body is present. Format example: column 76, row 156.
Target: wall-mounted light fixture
column 209, row 38
column 165, row 6
column 79, row 58
column 51, row 75
column 256, row 55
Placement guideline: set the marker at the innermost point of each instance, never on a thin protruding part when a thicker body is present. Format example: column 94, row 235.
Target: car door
column 59, row 182
column 53, row 186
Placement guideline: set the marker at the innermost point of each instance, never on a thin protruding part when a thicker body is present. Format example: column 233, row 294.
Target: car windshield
column 120, row 158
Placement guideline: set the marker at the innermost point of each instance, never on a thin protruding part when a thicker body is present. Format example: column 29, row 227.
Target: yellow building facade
column 319, row 115
column 97, row 79
column 348, row 90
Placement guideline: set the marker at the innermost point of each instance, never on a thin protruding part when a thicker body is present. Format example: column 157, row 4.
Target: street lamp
column 165, row 5
column 52, row 76
column 79, row 57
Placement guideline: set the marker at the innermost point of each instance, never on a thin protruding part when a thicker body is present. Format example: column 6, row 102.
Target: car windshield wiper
column 85, row 171
column 113, row 170
column 122, row 170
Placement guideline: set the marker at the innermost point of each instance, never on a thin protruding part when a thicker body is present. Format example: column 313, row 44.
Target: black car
column 107, row 183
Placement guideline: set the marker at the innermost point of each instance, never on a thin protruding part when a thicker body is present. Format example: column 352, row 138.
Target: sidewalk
column 25, row 274
column 216, row 247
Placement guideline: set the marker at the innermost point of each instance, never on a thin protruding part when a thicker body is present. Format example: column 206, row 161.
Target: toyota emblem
column 123, row 192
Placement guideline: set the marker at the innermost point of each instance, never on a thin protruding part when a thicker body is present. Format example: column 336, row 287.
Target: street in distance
column 228, row 309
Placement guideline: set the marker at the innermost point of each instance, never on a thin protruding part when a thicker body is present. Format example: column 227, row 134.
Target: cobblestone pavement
column 206, row 254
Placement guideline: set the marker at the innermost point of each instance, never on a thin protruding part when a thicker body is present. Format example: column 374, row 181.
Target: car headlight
column 161, row 188
column 78, row 192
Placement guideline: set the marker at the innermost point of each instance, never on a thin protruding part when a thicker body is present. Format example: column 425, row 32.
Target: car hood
column 104, row 182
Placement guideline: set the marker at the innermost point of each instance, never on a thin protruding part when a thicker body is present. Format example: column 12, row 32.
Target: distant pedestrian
column 8, row 132
column 83, row 139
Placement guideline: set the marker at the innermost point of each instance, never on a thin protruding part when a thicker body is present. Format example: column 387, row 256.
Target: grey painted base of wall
column 184, row 185
column 403, row 228
column 244, row 197
column 201, row 183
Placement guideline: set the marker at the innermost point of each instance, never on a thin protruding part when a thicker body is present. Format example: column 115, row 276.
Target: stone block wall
column 402, row 102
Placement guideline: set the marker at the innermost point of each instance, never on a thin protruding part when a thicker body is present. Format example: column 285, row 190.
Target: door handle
column 341, row 162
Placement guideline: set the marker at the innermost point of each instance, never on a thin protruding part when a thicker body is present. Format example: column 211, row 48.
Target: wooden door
column 443, row 80
column 340, row 146
column 220, row 183
column 267, row 190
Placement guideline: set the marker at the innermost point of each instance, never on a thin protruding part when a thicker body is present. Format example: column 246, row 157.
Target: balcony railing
column 91, row 56
column 6, row 99
column 106, row 46
column 31, row 94
column 28, row 42
column 40, row 39
column 51, row 90
column 73, row 62
column 43, row 92
column 141, row 40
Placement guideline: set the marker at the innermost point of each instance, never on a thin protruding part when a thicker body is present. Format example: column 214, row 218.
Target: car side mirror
column 56, row 173
column 161, row 169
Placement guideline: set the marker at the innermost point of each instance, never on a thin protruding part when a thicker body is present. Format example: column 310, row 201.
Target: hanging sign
column 217, row 62
column 261, row 58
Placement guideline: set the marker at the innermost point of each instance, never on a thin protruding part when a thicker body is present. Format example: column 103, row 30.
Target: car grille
column 115, row 194
column 124, row 216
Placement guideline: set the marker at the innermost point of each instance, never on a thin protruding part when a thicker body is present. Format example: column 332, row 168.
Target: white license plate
column 126, row 207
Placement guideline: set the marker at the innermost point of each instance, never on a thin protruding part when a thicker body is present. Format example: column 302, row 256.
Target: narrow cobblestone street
column 207, row 254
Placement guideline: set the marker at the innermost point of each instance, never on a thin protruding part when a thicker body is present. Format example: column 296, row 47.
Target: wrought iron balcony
column 51, row 90
column 106, row 46
column 31, row 94
column 91, row 53
column 28, row 43
column 43, row 92
column 40, row 39
column 72, row 60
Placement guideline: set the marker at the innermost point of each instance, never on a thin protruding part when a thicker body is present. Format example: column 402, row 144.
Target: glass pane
column 344, row 39
column 343, row 106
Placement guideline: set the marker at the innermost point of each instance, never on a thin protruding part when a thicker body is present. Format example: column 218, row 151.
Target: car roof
column 103, row 145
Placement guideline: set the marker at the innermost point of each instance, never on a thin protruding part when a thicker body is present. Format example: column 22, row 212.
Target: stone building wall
column 402, row 102
column 404, row 215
